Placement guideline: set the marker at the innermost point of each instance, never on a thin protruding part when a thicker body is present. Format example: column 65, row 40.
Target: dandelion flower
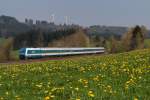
column 91, row 94
column 47, row 98
column 135, row 98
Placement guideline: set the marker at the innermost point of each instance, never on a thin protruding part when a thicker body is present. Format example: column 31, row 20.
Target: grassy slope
column 2, row 40
column 147, row 43
column 114, row 77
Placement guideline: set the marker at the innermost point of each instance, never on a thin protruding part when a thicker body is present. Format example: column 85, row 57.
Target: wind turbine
column 67, row 20
column 52, row 18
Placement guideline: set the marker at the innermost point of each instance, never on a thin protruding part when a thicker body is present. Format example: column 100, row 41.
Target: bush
column 6, row 50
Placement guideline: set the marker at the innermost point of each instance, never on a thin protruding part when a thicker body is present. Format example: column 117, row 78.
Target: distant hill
column 148, row 34
column 107, row 31
column 10, row 26
column 103, row 30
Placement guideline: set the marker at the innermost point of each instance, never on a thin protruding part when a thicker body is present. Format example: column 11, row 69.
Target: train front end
column 22, row 53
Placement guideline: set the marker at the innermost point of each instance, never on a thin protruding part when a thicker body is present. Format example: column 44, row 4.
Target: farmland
column 122, row 76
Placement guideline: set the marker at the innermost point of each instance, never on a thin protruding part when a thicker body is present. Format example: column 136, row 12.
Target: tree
column 126, row 40
column 113, row 45
column 134, row 38
column 7, row 49
column 137, row 38
column 40, row 40
column 77, row 39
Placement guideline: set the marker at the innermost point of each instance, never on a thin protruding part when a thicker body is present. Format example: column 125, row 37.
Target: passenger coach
column 30, row 53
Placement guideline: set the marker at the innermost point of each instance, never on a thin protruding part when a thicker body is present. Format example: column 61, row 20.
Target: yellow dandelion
column 135, row 98
column 85, row 81
column 39, row 85
column 47, row 98
column 52, row 96
column 77, row 89
column 85, row 86
column 91, row 94
column 96, row 78
column 6, row 93
column 1, row 98
column 46, row 91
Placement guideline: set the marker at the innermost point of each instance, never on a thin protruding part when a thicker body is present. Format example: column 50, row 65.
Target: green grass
column 147, row 43
column 123, row 76
column 2, row 40
column 15, row 55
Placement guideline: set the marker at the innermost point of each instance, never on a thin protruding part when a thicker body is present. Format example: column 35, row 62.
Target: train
column 34, row 53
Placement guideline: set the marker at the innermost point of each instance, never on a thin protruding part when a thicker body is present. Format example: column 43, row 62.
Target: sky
column 83, row 12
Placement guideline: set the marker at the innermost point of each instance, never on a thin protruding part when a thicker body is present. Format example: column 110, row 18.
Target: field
column 123, row 76
column 147, row 43
column 1, row 40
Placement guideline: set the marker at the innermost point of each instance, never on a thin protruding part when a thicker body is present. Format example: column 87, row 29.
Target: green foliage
column 36, row 38
column 147, row 43
column 112, row 77
column 134, row 38
column 6, row 50
column 2, row 40
column 137, row 38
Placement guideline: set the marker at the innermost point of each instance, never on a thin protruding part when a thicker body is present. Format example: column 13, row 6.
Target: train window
column 55, row 51
column 34, row 51
column 85, row 50
column 62, row 51
column 59, row 51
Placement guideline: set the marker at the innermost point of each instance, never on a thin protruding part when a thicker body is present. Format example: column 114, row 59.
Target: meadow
column 1, row 40
column 124, row 76
column 147, row 43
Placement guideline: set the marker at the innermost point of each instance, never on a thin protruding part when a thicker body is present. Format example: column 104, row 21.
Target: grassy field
column 147, row 43
column 2, row 41
column 123, row 76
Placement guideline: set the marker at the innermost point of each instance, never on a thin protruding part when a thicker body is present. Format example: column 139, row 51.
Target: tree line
column 39, row 38
column 131, row 40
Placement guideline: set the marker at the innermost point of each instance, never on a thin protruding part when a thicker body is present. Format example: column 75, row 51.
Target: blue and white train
column 30, row 53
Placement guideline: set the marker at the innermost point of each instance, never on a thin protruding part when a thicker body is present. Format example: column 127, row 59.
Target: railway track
column 47, row 59
column 32, row 60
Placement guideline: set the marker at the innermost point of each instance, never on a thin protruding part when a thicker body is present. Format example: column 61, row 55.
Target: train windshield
column 22, row 51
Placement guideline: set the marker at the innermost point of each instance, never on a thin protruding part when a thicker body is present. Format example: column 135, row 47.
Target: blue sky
column 83, row 12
